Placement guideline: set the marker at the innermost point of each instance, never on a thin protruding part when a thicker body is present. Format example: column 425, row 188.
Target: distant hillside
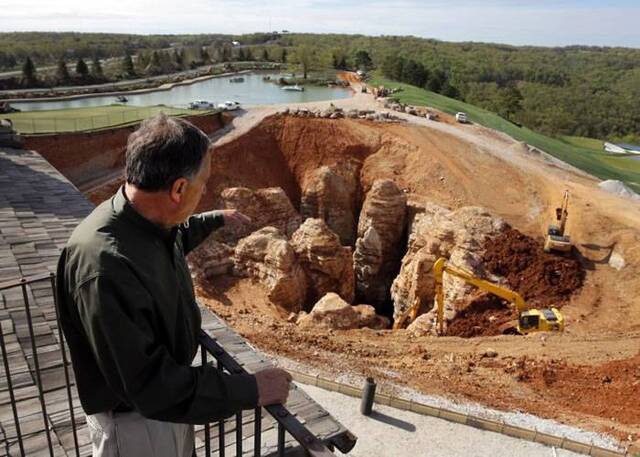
column 577, row 90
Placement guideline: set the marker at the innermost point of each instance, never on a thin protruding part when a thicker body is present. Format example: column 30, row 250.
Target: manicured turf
column 85, row 119
column 582, row 153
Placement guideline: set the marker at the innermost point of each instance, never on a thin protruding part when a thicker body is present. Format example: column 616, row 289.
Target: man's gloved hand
column 273, row 386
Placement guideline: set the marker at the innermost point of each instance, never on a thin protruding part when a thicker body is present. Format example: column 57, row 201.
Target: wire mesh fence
column 108, row 117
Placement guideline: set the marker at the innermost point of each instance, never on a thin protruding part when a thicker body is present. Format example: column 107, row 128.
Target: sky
column 518, row 22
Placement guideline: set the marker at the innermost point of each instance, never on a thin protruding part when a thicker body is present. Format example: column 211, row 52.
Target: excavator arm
column 441, row 267
column 529, row 320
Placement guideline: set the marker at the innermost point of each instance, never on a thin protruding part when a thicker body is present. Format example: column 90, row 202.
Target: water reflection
column 253, row 91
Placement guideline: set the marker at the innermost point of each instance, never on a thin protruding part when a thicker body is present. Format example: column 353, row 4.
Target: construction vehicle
column 556, row 239
column 529, row 320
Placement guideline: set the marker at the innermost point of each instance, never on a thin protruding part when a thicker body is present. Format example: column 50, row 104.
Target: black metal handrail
column 287, row 422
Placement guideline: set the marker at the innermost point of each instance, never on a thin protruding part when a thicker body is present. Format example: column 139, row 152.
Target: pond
column 253, row 91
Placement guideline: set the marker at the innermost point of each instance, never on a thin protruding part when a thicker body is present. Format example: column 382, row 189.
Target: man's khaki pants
column 132, row 435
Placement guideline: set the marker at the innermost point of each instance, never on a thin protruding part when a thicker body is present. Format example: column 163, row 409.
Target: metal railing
column 286, row 421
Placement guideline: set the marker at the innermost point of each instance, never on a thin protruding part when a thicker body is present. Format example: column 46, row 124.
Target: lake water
column 253, row 91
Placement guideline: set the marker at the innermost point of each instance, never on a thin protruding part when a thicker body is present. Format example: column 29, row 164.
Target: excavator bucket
column 509, row 328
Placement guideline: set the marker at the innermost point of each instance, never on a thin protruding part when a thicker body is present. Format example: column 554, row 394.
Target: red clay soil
column 542, row 279
column 82, row 156
column 608, row 390
column 482, row 316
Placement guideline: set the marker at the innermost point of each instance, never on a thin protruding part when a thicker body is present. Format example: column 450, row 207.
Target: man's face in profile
column 195, row 189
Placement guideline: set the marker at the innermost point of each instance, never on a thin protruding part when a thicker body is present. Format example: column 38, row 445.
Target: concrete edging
column 462, row 418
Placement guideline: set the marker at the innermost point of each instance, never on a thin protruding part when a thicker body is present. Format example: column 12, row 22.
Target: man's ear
column 178, row 190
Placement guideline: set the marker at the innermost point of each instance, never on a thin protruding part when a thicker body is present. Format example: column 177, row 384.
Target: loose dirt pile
column 482, row 316
column 608, row 390
column 542, row 279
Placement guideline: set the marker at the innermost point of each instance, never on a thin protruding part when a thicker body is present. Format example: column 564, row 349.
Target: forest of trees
column 576, row 90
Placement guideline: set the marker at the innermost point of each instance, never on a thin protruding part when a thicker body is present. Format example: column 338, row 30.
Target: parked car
column 461, row 117
column 229, row 106
column 201, row 104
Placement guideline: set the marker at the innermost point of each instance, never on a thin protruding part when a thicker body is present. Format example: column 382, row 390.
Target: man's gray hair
column 162, row 150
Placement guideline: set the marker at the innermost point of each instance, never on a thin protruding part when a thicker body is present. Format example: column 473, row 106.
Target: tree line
column 575, row 90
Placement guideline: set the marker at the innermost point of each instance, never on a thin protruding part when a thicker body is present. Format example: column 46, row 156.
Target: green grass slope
column 582, row 153
column 86, row 119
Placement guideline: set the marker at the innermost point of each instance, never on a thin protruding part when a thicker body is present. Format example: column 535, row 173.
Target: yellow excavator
column 556, row 240
column 529, row 320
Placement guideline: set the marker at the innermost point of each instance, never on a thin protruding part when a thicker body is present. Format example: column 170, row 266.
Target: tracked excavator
column 529, row 320
column 556, row 239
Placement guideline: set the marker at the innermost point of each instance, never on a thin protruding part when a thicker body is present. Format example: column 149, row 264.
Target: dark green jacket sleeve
column 198, row 227
column 117, row 317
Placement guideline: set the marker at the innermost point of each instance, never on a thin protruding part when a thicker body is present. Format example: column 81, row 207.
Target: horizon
column 508, row 22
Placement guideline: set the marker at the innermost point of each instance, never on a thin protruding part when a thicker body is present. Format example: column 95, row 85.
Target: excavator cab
column 540, row 320
column 556, row 240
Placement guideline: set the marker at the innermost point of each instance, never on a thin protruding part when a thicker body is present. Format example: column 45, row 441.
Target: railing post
column 36, row 365
column 207, row 435
column 65, row 364
column 7, row 371
column 221, row 449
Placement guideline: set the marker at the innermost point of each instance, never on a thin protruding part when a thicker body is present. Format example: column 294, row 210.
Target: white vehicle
column 229, row 106
column 201, row 104
column 461, row 117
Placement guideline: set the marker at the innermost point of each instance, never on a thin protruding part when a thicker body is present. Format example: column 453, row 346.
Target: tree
column 265, row 55
column 155, row 66
column 241, row 56
column 28, row 73
column 436, row 80
column 305, row 56
column 226, row 53
column 62, row 72
column 510, row 102
column 283, row 55
column 342, row 65
column 204, row 55
column 248, row 55
column 127, row 66
column 363, row 60
column 81, row 69
column 178, row 59
column 96, row 68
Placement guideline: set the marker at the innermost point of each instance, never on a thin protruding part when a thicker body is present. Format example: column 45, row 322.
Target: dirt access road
column 589, row 376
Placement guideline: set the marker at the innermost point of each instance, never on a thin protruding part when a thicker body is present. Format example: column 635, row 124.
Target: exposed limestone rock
column 438, row 232
column 367, row 262
column 328, row 264
column 380, row 229
column 333, row 312
column 268, row 207
column 211, row 258
column 267, row 256
column 332, row 197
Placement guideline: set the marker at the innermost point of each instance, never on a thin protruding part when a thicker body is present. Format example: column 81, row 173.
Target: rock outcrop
column 332, row 197
column 333, row 312
column 210, row 259
column 327, row 264
column 438, row 232
column 380, row 228
column 267, row 256
column 269, row 207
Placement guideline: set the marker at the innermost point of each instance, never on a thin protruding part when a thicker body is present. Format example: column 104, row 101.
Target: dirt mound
column 542, row 279
column 607, row 390
column 482, row 316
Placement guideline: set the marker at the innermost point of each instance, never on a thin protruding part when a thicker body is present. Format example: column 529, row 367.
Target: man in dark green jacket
column 128, row 310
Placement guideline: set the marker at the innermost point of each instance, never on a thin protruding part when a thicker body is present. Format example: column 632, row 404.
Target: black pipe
column 368, row 394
